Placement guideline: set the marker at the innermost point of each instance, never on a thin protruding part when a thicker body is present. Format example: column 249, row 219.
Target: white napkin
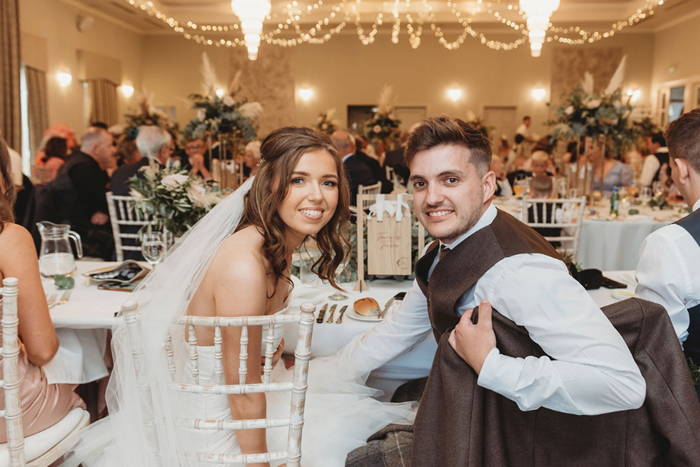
column 80, row 357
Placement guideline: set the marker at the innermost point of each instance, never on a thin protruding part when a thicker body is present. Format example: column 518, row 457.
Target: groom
column 500, row 390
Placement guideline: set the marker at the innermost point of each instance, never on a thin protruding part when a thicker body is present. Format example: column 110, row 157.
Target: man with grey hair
column 357, row 172
column 79, row 192
column 154, row 144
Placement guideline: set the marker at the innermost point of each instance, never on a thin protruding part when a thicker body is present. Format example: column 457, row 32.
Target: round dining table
column 82, row 326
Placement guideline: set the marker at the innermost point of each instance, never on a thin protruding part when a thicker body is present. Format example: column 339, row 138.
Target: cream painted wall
column 344, row 72
column 677, row 47
column 55, row 21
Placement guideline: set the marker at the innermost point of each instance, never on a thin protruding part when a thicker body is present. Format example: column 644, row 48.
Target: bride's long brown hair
column 7, row 195
column 281, row 151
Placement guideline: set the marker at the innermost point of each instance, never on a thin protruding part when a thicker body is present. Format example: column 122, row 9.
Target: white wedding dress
column 340, row 411
column 339, row 415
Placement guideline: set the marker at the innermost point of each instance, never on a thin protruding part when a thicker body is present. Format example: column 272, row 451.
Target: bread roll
column 367, row 307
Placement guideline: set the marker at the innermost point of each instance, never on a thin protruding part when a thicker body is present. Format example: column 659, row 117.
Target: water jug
column 56, row 254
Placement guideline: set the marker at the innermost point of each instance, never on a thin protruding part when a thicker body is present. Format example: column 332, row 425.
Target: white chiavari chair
column 45, row 447
column 122, row 214
column 370, row 189
column 564, row 214
column 297, row 386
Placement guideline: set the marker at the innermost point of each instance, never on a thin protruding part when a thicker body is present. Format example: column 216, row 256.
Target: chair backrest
column 564, row 214
column 389, row 172
column 122, row 213
column 370, row 189
column 11, row 379
column 298, row 385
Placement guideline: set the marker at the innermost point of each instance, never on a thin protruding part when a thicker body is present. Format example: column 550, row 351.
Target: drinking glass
column 646, row 194
column 338, row 296
column 656, row 188
column 153, row 247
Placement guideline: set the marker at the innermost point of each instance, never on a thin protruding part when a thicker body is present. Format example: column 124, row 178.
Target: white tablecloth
column 82, row 325
column 610, row 244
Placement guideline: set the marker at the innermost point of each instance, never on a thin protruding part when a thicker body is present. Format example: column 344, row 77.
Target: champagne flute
column 153, row 248
column 338, row 296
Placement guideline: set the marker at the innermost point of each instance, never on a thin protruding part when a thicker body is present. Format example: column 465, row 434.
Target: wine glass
column 153, row 248
column 338, row 296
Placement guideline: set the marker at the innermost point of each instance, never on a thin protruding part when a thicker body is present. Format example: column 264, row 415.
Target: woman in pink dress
column 43, row 404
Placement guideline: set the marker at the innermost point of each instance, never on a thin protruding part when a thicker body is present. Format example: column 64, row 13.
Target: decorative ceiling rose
column 538, row 13
column 252, row 13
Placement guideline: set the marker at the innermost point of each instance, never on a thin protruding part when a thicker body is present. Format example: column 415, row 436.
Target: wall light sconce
column 538, row 94
column 127, row 90
column 64, row 78
column 634, row 94
column 454, row 94
column 305, row 94
column 220, row 92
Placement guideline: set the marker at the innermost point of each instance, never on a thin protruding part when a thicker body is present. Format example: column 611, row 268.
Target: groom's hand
column 473, row 342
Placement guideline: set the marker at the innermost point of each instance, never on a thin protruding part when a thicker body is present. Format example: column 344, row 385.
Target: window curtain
column 103, row 97
column 37, row 115
column 10, row 121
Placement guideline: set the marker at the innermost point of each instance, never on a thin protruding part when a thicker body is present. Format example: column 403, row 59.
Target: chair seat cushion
column 40, row 443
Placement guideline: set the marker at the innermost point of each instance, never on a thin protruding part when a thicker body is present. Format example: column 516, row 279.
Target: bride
column 236, row 262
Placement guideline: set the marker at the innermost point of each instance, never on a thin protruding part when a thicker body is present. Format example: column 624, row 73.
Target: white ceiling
column 591, row 14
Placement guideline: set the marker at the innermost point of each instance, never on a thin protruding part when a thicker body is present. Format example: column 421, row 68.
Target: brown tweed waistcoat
column 461, row 424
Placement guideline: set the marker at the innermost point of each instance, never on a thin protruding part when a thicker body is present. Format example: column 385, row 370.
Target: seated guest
column 395, row 159
column 503, row 187
column 251, row 160
column 656, row 167
column 194, row 162
column 79, row 192
column 357, row 172
column 518, row 156
column 42, row 404
column 375, row 167
column 540, row 164
column 541, row 188
column 616, row 173
column 669, row 262
column 154, row 144
column 127, row 152
column 55, row 152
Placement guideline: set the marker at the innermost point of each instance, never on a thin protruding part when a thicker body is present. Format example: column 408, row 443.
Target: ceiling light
column 538, row 13
column 252, row 13
column 220, row 92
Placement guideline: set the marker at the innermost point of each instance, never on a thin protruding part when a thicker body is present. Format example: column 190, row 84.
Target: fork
column 51, row 299
column 64, row 299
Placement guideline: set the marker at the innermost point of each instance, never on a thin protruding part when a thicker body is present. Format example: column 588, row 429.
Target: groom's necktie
column 444, row 250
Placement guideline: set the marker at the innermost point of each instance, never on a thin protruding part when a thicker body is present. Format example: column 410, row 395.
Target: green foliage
column 174, row 197
column 694, row 371
column 236, row 118
column 326, row 124
column 585, row 115
column 381, row 126
column 63, row 282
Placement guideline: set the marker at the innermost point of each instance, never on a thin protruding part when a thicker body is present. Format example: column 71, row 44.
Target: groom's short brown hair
column 683, row 138
column 442, row 130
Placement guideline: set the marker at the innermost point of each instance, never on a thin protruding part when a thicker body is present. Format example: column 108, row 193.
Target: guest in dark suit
column 395, row 160
column 154, row 144
column 79, row 192
column 378, row 172
column 132, row 160
column 357, row 172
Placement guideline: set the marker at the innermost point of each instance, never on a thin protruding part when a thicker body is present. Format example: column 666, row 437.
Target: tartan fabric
column 391, row 446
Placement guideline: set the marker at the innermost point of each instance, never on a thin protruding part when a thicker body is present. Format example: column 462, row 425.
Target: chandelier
column 252, row 13
column 530, row 19
column 538, row 13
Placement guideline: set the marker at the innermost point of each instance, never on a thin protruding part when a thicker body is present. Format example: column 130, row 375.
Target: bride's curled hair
column 281, row 151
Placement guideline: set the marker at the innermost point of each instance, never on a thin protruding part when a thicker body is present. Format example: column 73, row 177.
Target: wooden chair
column 124, row 223
column 563, row 214
column 370, row 189
column 45, row 447
column 389, row 239
column 298, row 384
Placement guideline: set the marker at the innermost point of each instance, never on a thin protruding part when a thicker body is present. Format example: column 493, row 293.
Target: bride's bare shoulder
column 241, row 256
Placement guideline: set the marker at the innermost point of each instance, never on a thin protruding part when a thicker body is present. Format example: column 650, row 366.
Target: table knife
column 330, row 316
column 340, row 316
column 321, row 313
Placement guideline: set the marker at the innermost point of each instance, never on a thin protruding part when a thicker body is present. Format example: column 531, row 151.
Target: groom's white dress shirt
column 668, row 273
column 591, row 370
